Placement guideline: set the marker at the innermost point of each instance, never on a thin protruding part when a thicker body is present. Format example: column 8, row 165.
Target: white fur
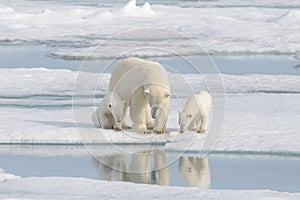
column 195, row 113
column 109, row 113
column 141, row 84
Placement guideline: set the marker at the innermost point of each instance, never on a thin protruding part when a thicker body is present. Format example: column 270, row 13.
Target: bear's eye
column 109, row 105
column 189, row 115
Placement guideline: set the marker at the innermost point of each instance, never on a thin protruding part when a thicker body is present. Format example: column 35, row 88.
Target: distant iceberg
column 131, row 9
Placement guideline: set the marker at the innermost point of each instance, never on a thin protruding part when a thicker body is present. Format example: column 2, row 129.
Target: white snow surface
column 220, row 27
column 82, row 188
column 262, row 111
column 6, row 177
column 256, row 122
column 60, row 83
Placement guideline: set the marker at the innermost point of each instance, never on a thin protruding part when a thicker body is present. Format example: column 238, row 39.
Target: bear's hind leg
column 161, row 119
column 204, row 122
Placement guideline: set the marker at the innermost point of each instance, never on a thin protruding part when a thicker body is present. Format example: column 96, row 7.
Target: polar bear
column 195, row 113
column 142, row 84
column 109, row 113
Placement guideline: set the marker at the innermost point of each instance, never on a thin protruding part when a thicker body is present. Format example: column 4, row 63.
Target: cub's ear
column 147, row 91
column 109, row 105
column 189, row 115
column 167, row 94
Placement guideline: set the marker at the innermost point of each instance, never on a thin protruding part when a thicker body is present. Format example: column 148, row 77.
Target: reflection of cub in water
column 114, row 168
column 195, row 171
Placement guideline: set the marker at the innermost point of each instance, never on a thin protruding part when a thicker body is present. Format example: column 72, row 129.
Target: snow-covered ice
column 82, row 188
column 43, row 82
column 262, row 111
column 39, row 106
column 45, row 150
column 220, row 27
column 6, row 177
column 257, row 122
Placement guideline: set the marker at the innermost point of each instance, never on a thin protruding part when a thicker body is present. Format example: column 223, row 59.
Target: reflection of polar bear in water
column 195, row 170
column 142, row 84
column 140, row 167
column 195, row 113
column 108, row 114
column 114, row 168
column 111, row 168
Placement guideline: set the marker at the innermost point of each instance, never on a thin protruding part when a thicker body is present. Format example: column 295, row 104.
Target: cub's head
column 184, row 120
column 157, row 96
column 115, row 105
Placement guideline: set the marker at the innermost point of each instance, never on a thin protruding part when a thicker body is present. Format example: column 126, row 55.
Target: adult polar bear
column 141, row 84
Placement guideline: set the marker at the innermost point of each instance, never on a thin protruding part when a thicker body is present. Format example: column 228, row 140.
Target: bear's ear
column 167, row 94
column 147, row 91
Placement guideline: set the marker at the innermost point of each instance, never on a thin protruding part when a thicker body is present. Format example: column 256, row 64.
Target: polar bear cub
column 195, row 113
column 109, row 113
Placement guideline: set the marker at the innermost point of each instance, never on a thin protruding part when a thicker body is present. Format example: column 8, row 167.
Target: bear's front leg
column 204, row 123
column 159, row 127
column 161, row 120
column 138, row 116
column 140, row 129
column 124, row 124
column 160, row 131
column 149, row 123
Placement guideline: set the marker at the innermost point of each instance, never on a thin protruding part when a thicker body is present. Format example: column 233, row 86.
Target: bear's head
column 157, row 96
column 184, row 120
column 115, row 105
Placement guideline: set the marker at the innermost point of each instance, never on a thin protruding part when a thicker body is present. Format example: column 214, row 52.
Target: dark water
column 150, row 165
